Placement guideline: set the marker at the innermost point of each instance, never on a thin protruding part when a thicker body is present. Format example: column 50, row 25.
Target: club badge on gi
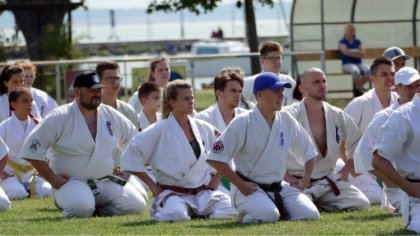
column 218, row 147
column 34, row 145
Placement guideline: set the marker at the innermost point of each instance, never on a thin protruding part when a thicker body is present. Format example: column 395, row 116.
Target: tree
column 199, row 6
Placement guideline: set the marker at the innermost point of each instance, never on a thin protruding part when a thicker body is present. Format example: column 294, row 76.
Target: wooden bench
column 341, row 84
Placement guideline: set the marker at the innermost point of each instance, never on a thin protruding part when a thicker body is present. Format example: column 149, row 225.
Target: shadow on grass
column 378, row 217
column 399, row 232
column 226, row 225
column 140, row 223
column 39, row 219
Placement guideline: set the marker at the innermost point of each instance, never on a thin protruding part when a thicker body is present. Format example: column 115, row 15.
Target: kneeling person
column 259, row 141
column 83, row 136
column 328, row 127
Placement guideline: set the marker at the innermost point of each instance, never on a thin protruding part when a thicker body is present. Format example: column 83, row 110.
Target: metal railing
column 189, row 60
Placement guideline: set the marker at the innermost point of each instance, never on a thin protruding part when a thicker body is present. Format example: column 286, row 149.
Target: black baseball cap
column 88, row 80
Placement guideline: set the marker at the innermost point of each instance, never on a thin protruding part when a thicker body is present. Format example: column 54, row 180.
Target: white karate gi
column 398, row 141
column 391, row 197
column 174, row 163
column 5, row 204
column 339, row 126
column 128, row 111
column 361, row 110
column 144, row 122
column 134, row 101
column 248, row 89
column 260, row 154
column 213, row 116
column 76, row 154
column 5, row 108
column 44, row 102
column 22, row 176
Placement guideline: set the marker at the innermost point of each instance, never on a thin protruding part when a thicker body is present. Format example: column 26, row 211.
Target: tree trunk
column 251, row 34
column 38, row 25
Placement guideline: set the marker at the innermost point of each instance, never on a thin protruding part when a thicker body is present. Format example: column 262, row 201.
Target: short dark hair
column 226, row 75
column 6, row 74
column 269, row 46
column 147, row 88
column 16, row 93
column 106, row 65
column 379, row 61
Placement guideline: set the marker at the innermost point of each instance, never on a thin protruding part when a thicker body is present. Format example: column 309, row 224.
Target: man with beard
column 82, row 137
column 328, row 127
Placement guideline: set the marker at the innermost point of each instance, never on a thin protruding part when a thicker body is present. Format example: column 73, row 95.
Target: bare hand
column 123, row 175
column 58, row 181
column 214, row 184
column 302, row 184
column 344, row 176
column 248, row 188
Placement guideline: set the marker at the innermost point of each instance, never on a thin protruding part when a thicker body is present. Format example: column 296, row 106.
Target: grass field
column 40, row 216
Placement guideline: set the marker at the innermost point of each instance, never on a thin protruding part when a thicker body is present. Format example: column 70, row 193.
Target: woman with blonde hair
column 177, row 148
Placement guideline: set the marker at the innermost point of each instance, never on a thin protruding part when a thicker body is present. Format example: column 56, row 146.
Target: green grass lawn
column 40, row 216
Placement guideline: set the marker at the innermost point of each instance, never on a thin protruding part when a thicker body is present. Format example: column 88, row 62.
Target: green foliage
column 41, row 217
column 56, row 45
column 196, row 6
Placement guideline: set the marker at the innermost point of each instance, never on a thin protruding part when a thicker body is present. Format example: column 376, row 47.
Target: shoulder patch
column 34, row 144
column 218, row 147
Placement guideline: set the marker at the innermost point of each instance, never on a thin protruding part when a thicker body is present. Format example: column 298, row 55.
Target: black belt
column 275, row 188
column 413, row 180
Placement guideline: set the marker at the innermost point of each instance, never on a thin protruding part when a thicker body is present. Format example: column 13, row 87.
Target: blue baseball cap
column 269, row 80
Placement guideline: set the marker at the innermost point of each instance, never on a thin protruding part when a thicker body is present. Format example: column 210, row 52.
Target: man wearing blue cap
column 329, row 127
column 83, row 137
column 259, row 141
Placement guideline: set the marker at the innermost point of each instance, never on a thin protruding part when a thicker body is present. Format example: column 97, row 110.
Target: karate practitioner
column 19, row 177
column 83, row 136
column 150, row 97
column 328, row 127
column 407, row 84
column 227, row 89
column 363, row 108
column 12, row 77
column 396, row 154
column 177, row 147
column 259, row 141
column 5, row 204
column 44, row 102
column 271, row 60
column 160, row 73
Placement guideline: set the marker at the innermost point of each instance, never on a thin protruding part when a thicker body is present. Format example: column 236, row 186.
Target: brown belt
column 275, row 188
column 332, row 184
column 177, row 191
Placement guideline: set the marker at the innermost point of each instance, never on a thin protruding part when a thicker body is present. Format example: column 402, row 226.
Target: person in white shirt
column 44, row 102
column 5, row 203
column 150, row 96
column 258, row 142
column 19, row 177
column 83, row 137
column 328, row 127
column 177, row 147
column 396, row 154
column 11, row 77
column 271, row 60
column 362, row 109
column 407, row 84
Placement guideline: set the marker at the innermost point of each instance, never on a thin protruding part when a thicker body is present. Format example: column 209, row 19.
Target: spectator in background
column 397, row 56
column 351, row 53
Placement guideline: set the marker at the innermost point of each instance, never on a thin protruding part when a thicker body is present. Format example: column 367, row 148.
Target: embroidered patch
column 218, row 147
column 217, row 133
column 282, row 139
column 34, row 144
column 108, row 125
column 337, row 135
